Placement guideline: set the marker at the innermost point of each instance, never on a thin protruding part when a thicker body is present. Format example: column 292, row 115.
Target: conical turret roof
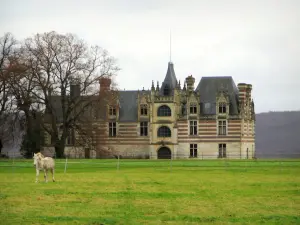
column 170, row 81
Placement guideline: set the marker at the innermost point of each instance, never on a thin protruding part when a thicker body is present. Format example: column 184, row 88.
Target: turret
column 190, row 80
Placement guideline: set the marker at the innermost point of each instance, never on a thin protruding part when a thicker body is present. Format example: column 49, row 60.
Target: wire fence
column 199, row 155
column 167, row 163
column 191, row 156
column 169, row 155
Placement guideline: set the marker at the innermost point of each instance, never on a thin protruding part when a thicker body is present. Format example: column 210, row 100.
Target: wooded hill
column 278, row 134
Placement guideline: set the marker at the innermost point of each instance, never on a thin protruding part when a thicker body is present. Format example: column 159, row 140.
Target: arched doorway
column 164, row 153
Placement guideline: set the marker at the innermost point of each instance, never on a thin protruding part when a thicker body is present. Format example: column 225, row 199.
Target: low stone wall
column 235, row 150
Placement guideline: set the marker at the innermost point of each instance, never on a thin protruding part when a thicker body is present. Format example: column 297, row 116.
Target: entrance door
column 164, row 153
column 87, row 153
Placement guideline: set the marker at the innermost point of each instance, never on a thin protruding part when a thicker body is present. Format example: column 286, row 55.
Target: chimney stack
column 190, row 80
column 244, row 92
column 75, row 88
column 105, row 83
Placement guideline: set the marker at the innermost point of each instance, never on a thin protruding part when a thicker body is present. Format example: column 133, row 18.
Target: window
column 164, row 132
column 222, row 127
column 193, row 127
column 144, row 110
column 164, row 111
column 112, row 110
column 193, row 150
column 193, row 108
column 112, row 129
column 222, row 150
column 144, row 128
column 222, row 107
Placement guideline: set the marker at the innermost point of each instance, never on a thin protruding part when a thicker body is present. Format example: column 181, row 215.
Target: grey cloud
column 254, row 41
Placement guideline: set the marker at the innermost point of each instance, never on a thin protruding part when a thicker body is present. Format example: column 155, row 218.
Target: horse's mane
column 40, row 154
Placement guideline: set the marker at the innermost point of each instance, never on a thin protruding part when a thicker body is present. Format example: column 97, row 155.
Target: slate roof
column 128, row 106
column 210, row 86
column 170, row 79
column 56, row 104
column 57, row 108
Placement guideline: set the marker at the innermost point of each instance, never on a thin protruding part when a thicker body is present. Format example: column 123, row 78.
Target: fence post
column 118, row 163
column 171, row 164
column 66, row 164
column 13, row 155
column 13, row 166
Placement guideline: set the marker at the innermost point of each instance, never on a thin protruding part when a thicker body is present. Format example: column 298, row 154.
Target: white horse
column 43, row 163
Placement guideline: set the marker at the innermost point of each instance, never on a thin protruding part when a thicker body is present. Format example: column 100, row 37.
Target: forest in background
column 278, row 134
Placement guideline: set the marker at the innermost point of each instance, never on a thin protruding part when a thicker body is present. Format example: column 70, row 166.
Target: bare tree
column 65, row 72
column 7, row 46
column 23, row 90
column 93, row 128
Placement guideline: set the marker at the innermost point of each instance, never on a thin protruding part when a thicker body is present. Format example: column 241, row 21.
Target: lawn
column 152, row 192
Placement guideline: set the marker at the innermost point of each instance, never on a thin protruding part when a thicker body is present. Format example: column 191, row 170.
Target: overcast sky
column 255, row 42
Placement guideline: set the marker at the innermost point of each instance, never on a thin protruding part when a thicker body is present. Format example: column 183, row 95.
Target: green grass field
column 152, row 192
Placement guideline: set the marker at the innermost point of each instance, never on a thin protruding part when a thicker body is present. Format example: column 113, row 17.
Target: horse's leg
column 37, row 176
column 45, row 172
column 52, row 171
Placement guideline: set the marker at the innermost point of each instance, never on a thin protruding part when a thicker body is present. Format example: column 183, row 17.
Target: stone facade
column 215, row 120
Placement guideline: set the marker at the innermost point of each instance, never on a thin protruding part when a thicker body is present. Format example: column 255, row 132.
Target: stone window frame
column 144, row 109
column 222, row 109
column 164, row 110
column 222, row 153
column 144, row 128
column 112, row 129
column 193, row 127
column 193, row 150
column 112, row 110
column 163, row 132
column 193, row 108
column 222, row 127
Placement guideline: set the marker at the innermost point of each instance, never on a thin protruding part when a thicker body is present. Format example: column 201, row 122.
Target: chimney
column 190, row 80
column 249, row 90
column 74, row 88
column 244, row 92
column 105, row 83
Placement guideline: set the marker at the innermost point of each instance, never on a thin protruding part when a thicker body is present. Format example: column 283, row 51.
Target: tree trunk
column 29, row 144
column 59, row 151
column 60, row 147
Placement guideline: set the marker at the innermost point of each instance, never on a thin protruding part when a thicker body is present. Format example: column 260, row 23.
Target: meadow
column 152, row 192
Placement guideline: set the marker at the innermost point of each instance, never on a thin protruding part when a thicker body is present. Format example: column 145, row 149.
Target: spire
column 179, row 86
column 170, row 81
column 157, row 87
column 152, row 87
column 184, row 86
column 170, row 47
